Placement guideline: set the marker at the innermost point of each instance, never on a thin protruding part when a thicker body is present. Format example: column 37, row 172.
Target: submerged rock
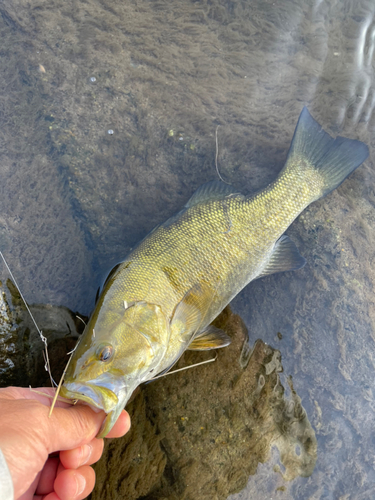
column 201, row 433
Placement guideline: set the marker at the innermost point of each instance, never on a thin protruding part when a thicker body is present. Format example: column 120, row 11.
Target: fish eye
column 104, row 353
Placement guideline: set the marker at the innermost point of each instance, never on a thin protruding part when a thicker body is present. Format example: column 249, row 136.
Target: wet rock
column 21, row 348
column 201, row 433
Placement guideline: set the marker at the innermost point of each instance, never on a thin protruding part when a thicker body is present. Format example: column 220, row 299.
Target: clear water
column 108, row 113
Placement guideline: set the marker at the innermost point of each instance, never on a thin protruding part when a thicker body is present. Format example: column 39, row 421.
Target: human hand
column 28, row 438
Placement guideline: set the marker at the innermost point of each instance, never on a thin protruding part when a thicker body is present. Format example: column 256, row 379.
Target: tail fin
column 334, row 159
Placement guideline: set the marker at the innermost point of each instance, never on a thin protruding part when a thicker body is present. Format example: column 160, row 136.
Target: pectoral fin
column 285, row 257
column 210, row 338
column 186, row 317
column 191, row 310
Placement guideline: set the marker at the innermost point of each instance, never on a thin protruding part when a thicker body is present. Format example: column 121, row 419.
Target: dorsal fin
column 285, row 257
column 97, row 294
column 214, row 190
column 110, row 274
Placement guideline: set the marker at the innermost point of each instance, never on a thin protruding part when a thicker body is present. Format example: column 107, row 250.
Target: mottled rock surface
column 205, row 430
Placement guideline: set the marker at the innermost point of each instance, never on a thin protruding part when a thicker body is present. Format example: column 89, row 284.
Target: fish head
column 117, row 352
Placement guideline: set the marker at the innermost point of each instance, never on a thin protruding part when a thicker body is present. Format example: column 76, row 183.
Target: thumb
column 68, row 428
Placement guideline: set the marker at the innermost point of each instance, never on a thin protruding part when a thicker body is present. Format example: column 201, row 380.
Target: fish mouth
column 102, row 393
column 97, row 396
column 106, row 392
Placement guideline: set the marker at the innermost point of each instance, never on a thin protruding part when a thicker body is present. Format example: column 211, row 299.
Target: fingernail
column 81, row 484
column 86, row 453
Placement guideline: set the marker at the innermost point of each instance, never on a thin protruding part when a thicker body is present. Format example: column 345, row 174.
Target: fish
column 161, row 300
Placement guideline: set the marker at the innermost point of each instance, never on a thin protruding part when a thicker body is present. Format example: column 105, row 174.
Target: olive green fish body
column 163, row 297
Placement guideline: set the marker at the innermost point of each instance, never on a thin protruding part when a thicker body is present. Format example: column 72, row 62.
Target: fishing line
column 78, row 317
column 60, row 398
column 184, row 368
column 216, row 156
column 60, row 384
column 47, row 366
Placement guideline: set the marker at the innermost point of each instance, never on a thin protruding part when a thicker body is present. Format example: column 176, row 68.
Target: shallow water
column 162, row 75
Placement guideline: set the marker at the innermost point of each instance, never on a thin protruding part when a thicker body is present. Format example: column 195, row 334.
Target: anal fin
column 285, row 257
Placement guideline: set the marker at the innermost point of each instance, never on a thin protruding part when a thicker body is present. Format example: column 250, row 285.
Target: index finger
column 42, row 394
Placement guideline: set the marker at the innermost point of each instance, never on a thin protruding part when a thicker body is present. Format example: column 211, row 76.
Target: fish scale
column 161, row 300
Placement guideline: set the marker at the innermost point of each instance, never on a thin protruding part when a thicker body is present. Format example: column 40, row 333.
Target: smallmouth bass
column 162, row 299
